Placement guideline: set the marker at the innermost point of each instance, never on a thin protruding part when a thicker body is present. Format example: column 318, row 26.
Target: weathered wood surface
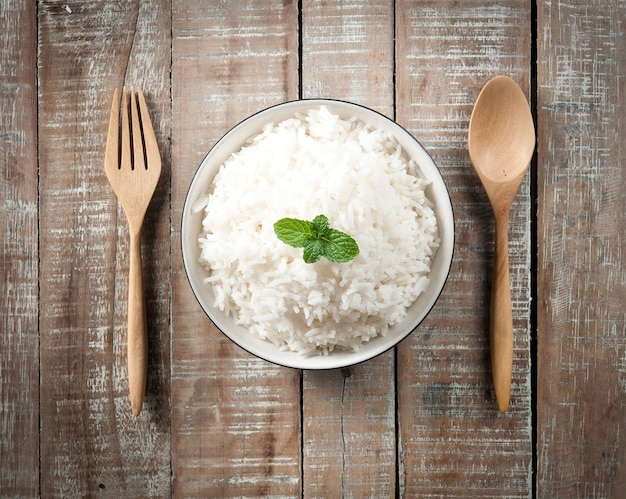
column 348, row 422
column 235, row 419
column 418, row 421
column 19, row 338
column 581, row 302
column 90, row 442
column 452, row 439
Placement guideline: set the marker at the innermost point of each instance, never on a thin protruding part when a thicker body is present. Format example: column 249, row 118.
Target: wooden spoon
column 501, row 142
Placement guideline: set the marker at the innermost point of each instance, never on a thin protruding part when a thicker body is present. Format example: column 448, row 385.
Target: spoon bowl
column 501, row 141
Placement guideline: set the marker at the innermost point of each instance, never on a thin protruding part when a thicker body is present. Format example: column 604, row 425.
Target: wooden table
column 418, row 421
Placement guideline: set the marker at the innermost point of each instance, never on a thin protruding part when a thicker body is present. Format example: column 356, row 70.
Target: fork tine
column 125, row 162
column 138, row 161
column 111, row 153
column 150, row 142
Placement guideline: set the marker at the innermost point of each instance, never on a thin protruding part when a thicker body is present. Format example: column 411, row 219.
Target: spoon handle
column 501, row 335
column 137, row 341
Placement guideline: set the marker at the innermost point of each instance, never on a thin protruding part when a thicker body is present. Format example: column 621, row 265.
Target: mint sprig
column 317, row 238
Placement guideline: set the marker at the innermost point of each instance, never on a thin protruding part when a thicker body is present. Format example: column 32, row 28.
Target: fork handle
column 137, row 340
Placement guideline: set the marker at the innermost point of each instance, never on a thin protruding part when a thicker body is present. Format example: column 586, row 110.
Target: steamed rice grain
column 312, row 164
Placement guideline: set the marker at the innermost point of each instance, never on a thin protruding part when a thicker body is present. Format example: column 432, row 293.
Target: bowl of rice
column 371, row 180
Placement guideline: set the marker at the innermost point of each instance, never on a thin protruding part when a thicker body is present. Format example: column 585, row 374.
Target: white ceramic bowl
column 192, row 224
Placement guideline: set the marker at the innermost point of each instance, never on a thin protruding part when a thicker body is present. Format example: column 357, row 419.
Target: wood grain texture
column 420, row 421
column 452, row 440
column 235, row 418
column 91, row 444
column 581, row 273
column 349, row 434
column 347, row 52
column 19, row 307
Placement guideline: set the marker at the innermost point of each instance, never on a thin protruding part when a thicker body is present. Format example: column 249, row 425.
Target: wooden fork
column 134, row 179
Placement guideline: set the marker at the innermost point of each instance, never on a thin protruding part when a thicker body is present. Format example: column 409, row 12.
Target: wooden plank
column 90, row 442
column 581, row 274
column 349, row 439
column 452, row 440
column 19, row 338
column 235, row 418
column 347, row 52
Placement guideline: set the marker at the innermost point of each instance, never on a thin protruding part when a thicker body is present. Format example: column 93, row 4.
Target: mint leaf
column 313, row 250
column 293, row 232
column 319, row 226
column 340, row 247
column 317, row 239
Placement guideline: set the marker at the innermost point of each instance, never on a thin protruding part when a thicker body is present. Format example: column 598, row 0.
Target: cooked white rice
column 360, row 179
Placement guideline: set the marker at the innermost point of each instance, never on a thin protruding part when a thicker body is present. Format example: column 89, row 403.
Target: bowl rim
column 343, row 358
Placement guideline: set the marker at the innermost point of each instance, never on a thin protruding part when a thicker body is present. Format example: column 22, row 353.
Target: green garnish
column 317, row 239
